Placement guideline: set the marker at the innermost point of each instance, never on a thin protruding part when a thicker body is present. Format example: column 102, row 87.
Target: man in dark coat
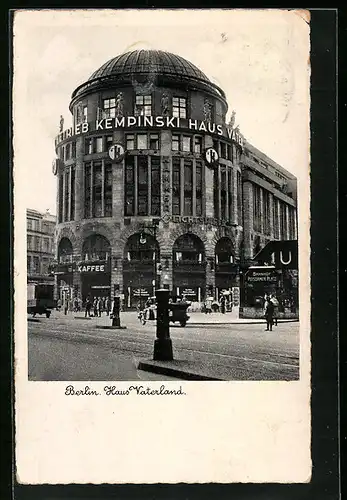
column 269, row 314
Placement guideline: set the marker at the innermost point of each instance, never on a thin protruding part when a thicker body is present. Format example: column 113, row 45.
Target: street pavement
column 74, row 348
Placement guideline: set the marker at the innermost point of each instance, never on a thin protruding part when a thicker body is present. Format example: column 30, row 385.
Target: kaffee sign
column 128, row 122
column 84, row 267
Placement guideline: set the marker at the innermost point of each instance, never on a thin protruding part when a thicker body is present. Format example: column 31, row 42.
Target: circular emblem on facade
column 116, row 152
column 55, row 167
column 211, row 156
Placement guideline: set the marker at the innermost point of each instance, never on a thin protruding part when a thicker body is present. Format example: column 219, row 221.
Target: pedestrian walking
column 95, row 307
column 269, row 312
column 75, row 307
column 108, row 306
column 275, row 302
column 222, row 304
column 66, row 306
column 88, row 307
column 208, row 305
column 99, row 306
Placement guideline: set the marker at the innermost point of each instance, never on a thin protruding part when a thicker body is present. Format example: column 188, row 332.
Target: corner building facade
column 149, row 183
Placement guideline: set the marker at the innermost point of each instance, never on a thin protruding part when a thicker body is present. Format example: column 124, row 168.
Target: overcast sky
column 259, row 58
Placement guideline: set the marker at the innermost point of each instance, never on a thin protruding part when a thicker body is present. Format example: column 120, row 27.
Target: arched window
column 189, row 248
column 224, row 251
column 65, row 250
column 96, row 247
column 141, row 247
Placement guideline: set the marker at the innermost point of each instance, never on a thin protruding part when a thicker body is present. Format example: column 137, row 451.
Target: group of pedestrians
column 223, row 305
column 98, row 305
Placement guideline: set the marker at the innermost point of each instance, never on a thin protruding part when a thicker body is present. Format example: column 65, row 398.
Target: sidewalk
column 192, row 366
column 195, row 318
column 229, row 318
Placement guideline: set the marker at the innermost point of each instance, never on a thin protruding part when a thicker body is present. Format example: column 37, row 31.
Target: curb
column 173, row 372
column 254, row 322
column 110, row 327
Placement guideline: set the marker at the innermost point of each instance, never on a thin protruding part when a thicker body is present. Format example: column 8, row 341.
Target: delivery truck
column 40, row 298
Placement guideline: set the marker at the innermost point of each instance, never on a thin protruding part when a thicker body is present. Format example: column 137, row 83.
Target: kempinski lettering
column 151, row 122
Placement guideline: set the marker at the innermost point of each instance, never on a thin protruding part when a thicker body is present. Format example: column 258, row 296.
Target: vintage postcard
column 162, row 246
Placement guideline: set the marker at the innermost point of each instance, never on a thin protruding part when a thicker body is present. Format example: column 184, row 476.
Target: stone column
column 248, row 218
column 227, row 172
column 77, row 282
column 279, row 234
column 79, row 180
column 261, row 215
column 194, row 189
column 118, row 170
column 295, row 223
column 271, row 213
column 208, row 210
column 219, row 192
column 287, row 229
column 166, row 175
column 63, row 197
column 210, row 275
column 69, row 174
column 235, row 216
column 116, row 274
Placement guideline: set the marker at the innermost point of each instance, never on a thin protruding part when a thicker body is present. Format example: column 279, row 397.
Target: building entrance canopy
column 283, row 254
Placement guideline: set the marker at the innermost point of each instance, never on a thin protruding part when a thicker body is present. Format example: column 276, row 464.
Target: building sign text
column 127, row 122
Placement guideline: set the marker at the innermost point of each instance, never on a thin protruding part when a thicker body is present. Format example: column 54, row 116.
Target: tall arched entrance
column 95, row 267
column 141, row 253
column 189, row 267
column 64, row 270
column 225, row 267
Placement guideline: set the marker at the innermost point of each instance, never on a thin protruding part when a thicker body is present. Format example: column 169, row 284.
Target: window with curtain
column 155, row 185
column 130, row 141
column 230, row 189
column 60, row 207
column 142, row 185
column 129, row 188
column 186, row 143
column 216, row 193
column 87, row 190
column 142, row 142
column 109, row 106
column 66, row 195
column 198, row 188
column 223, row 194
column 72, row 194
column 175, row 142
column 108, row 190
column 188, row 187
column 176, row 186
column 97, row 189
column 179, row 107
column 143, row 105
column 197, row 144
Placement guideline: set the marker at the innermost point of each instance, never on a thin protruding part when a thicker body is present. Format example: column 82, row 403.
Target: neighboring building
column 269, row 201
column 40, row 245
column 164, row 206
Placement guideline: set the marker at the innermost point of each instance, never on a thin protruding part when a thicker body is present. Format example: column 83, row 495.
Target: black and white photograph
column 161, row 168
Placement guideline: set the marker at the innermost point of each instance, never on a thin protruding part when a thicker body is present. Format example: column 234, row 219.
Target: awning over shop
column 282, row 254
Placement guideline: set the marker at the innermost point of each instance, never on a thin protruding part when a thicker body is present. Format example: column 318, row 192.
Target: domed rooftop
column 146, row 65
column 149, row 61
